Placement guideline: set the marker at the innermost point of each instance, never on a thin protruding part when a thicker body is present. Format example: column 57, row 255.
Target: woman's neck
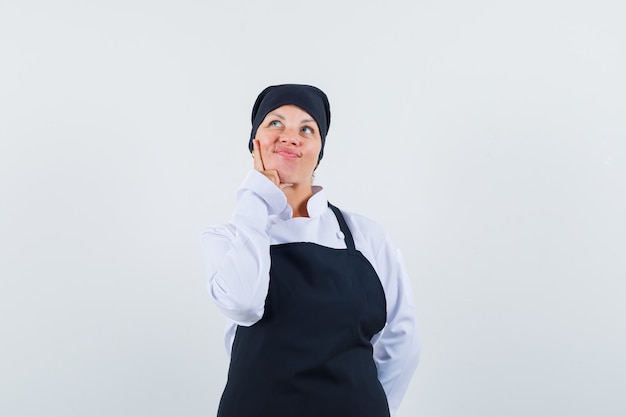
column 298, row 197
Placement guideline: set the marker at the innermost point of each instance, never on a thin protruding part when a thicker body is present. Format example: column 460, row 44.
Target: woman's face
column 290, row 143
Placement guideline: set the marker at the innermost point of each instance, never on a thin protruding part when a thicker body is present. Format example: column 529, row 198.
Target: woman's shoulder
column 365, row 231
column 361, row 220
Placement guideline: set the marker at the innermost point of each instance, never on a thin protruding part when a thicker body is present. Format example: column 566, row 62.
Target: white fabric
column 237, row 263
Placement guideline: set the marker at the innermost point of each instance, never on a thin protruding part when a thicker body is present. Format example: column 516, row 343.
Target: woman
column 322, row 322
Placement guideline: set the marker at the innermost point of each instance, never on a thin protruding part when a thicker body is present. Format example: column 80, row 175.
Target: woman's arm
column 397, row 346
column 237, row 256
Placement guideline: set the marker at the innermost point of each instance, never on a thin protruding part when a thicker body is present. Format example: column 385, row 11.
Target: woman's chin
column 294, row 181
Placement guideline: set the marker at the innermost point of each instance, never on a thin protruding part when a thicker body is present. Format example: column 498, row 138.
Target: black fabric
column 308, row 98
column 343, row 226
column 310, row 355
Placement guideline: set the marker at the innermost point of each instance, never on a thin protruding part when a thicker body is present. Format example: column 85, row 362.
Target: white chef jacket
column 237, row 264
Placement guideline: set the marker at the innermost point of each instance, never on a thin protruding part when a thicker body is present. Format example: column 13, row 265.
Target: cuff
column 259, row 197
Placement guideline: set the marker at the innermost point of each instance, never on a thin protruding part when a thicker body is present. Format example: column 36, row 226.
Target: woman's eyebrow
column 283, row 118
column 277, row 115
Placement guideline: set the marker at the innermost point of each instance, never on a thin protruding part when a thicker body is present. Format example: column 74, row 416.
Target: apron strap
column 343, row 227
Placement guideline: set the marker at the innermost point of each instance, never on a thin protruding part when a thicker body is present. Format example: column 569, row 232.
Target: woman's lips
column 287, row 153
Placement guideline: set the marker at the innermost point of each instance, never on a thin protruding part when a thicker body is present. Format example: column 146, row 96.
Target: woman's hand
column 272, row 174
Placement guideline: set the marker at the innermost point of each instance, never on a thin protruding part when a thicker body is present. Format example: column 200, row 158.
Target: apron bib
column 310, row 354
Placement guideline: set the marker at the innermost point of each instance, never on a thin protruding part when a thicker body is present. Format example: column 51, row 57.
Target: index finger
column 256, row 153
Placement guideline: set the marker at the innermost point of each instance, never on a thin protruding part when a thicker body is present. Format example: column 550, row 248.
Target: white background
column 488, row 137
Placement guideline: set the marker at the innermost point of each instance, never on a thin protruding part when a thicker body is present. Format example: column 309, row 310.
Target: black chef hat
column 308, row 98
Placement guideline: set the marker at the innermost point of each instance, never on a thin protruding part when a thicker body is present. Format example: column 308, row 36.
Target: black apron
column 310, row 354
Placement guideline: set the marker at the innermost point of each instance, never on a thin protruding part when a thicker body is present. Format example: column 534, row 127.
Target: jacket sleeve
column 397, row 346
column 236, row 255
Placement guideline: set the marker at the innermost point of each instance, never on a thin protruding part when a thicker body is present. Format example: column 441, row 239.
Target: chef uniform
column 312, row 333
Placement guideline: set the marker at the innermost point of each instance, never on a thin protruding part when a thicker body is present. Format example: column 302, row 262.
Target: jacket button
column 340, row 235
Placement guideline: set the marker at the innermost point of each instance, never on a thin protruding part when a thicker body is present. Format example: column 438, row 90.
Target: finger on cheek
column 256, row 152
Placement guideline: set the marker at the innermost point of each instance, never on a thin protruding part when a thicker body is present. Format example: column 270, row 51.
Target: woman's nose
column 289, row 136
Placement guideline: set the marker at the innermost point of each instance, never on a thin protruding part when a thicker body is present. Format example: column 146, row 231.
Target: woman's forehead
column 291, row 110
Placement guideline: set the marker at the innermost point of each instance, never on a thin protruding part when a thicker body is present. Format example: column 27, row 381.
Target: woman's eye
column 307, row 129
column 275, row 123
